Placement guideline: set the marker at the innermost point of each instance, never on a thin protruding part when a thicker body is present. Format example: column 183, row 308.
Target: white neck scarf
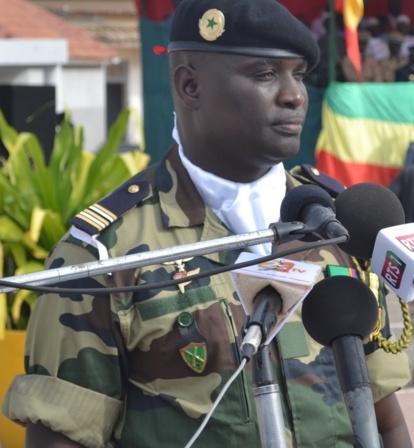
column 242, row 207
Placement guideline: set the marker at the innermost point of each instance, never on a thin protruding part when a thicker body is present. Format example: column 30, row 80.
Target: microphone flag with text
column 291, row 280
column 340, row 312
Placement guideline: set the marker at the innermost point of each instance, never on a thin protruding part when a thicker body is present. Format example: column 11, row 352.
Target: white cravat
column 243, row 207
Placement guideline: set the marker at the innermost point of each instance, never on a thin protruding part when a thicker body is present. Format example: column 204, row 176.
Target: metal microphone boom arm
column 276, row 233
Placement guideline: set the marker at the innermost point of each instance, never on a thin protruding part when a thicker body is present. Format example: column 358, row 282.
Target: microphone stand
column 268, row 403
column 280, row 232
column 356, row 388
column 267, row 306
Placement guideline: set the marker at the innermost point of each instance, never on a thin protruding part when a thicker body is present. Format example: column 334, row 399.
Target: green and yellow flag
column 366, row 131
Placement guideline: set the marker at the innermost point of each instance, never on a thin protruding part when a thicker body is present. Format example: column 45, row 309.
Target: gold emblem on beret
column 211, row 24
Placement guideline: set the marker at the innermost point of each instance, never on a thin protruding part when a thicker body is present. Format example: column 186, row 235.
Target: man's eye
column 265, row 75
column 300, row 75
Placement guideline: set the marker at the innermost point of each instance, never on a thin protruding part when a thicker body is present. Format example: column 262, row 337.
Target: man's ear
column 186, row 85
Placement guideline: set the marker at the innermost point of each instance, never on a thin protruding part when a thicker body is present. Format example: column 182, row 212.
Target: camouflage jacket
column 142, row 369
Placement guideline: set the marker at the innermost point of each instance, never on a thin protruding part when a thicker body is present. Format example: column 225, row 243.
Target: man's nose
column 292, row 93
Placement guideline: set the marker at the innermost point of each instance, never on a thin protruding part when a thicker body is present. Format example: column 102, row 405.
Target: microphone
column 375, row 218
column 340, row 312
column 282, row 280
column 313, row 206
column 365, row 209
column 266, row 306
column 393, row 259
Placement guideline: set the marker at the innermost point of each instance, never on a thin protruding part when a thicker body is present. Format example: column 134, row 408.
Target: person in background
column 319, row 77
column 406, row 72
column 403, row 25
column 403, row 186
column 143, row 368
column 377, row 45
column 394, row 10
column 371, row 70
column 318, row 24
column 395, row 61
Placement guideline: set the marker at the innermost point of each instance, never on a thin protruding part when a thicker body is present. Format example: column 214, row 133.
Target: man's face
column 251, row 113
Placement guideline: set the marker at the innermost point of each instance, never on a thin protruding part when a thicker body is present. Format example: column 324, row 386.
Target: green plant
column 38, row 198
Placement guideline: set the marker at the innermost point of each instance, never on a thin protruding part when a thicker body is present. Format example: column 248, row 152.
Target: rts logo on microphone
column 393, row 269
column 407, row 241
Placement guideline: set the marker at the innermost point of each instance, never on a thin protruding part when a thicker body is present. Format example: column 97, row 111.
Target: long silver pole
column 270, row 416
column 276, row 232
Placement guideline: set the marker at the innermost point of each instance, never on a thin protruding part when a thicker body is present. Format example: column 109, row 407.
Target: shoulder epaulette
column 309, row 174
column 95, row 218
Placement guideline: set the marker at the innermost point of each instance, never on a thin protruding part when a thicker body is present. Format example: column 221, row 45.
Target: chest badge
column 182, row 272
column 195, row 356
column 192, row 344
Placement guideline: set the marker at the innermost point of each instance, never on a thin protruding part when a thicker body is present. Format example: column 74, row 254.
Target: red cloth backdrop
column 309, row 9
column 408, row 8
column 376, row 8
column 156, row 10
column 159, row 10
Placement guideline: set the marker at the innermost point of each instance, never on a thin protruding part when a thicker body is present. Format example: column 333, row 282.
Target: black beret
column 263, row 28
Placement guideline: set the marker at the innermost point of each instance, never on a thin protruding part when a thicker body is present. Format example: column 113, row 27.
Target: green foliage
column 38, row 198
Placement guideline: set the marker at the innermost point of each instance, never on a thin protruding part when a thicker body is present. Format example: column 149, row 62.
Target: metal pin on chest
column 182, row 272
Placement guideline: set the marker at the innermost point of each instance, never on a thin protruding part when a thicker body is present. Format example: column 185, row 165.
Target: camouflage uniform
column 142, row 369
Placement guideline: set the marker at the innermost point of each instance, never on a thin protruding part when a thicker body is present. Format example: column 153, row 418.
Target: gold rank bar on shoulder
column 97, row 216
column 101, row 215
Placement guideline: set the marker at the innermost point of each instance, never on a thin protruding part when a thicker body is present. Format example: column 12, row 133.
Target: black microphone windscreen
column 299, row 197
column 364, row 209
column 339, row 306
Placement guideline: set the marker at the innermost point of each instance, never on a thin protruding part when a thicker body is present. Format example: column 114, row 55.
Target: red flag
column 352, row 11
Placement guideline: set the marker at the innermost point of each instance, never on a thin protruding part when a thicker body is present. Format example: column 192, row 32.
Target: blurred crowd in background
column 387, row 49
column 386, row 37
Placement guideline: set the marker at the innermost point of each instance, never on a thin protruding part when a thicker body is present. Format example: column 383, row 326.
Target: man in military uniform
column 143, row 368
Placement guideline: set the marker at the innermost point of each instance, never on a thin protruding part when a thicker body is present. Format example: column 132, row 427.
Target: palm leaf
column 38, row 197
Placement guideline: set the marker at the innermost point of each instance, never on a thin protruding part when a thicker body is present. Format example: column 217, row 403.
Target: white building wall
column 133, row 95
column 80, row 88
column 32, row 52
column 34, row 76
column 84, row 95
column 29, row 62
